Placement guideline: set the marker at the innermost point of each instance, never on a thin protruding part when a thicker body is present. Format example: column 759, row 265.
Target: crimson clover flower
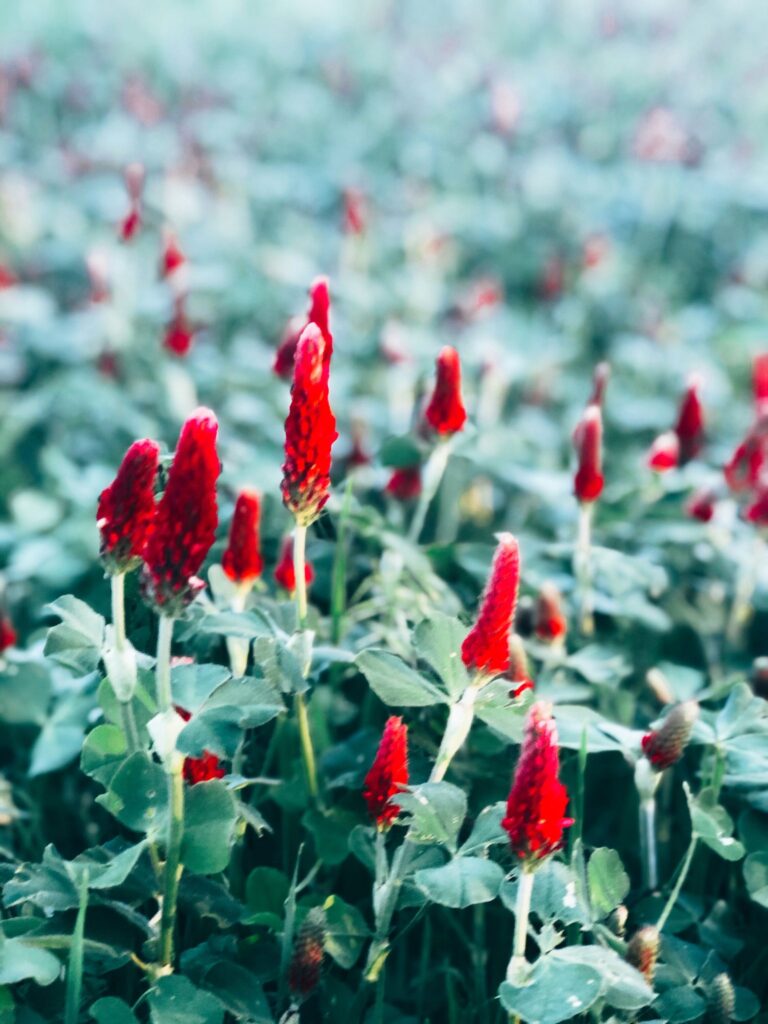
column 318, row 314
column 535, row 818
column 445, row 412
column 285, row 572
column 665, row 746
column 126, row 509
column 486, row 647
column 588, row 441
column 310, row 430
column 388, row 773
column 242, row 560
column 185, row 520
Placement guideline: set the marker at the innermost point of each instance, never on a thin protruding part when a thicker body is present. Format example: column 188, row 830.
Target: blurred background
column 543, row 185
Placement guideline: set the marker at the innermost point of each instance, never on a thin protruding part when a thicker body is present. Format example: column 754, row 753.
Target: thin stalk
column 75, row 967
column 741, row 609
column 173, row 866
column 305, row 735
column 648, row 843
column 681, row 877
column 522, row 913
column 479, row 960
column 582, row 565
column 238, row 647
column 433, row 474
column 117, row 583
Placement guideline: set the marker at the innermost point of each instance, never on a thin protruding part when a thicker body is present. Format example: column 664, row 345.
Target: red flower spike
column 535, row 818
column 185, row 519
column 172, row 257
column 242, row 560
column 702, row 506
column 388, row 774
column 126, row 509
column 405, row 483
column 308, row 953
column 760, row 381
column 285, row 573
column 486, row 647
column 445, row 412
column 8, row 635
column 690, row 423
column 310, row 430
column 744, row 468
column 319, row 314
column 588, row 440
column 200, row 769
column 550, row 623
column 130, row 224
column 664, row 453
column 665, row 746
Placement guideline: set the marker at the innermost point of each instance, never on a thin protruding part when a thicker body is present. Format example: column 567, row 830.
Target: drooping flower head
column 643, row 951
column 8, row 635
column 445, row 412
column 285, row 572
column 486, row 647
column 185, row 519
column 308, row 953
column 242, row 560
column 535, row 819
column 664, row 746
column 588, row 441
column 203, row 768
column 690, row 423
column 319, row 314
column 310, row 430
column 405, row 483
column 126, row 508
column 388, row 774
column 550, row 622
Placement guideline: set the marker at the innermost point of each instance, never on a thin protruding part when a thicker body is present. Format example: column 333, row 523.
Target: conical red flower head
column 310, row 431
column 203, row 768
column 588, row 441
column 643, row 951
column 664, row 453
column 319, row 314
column 8, row 634
column 308, row 953
column 388, row 774
column 535, row 818
column 185, row 519
column 285, row 573
column 550, row 622
column 760, row 382
column 242, row 560
column 745, row 467
column 445, row 412
column 126, row 508
column 405, row 483
column 690, row 423
column 486, row 647
column 665, row 746
column 172, row 257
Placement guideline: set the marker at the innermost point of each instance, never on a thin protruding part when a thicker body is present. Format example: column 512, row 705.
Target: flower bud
column 550, row 623
column 486, row 646
column 643, row 951
column 308, row 953
column 721, row 1000
column 664, row 746
column 617, row 920
column 388, row 774
column 126, row 509
column 445, row 412
column 664, row 453
column 242, row 561
column 405, row 483
column 588, row 440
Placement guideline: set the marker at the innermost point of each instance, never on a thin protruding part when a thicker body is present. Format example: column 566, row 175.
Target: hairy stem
column 299, row 569
column 648, row 842
column 117, row 583
column 302, row 718
column 431, row 477
column 522, row 913
column 582, row 566
column 75, row 966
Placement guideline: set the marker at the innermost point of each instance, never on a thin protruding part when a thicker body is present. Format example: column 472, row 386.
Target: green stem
column 522, row 913
column 299, row 569
column 648, row 843
column 173, row 866
column 163, row 663
column 75, row 968
column 431, row 477
column 582, row 564
column 307, row 749
column 681, row 877
column 117, row 582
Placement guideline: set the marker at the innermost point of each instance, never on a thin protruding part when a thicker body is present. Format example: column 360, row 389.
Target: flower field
column 383, row 575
